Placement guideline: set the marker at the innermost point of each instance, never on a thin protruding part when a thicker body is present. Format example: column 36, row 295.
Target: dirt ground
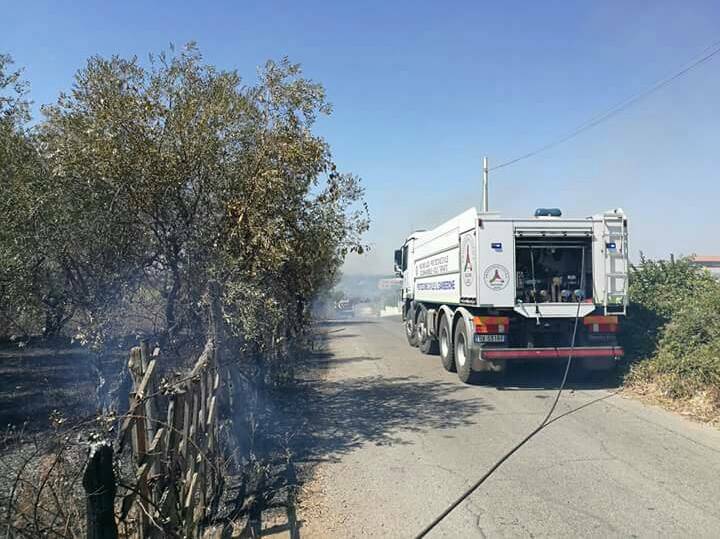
column 702, row 407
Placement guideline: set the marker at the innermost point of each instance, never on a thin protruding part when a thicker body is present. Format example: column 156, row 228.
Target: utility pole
column 485, row 185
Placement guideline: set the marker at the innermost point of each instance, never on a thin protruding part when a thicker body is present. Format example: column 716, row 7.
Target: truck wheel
column 411, row 330
column 445, row 344
column 463, row 359
column 426, row 342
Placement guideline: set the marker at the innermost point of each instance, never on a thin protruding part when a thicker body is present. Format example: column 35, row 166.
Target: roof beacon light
column 548, row 212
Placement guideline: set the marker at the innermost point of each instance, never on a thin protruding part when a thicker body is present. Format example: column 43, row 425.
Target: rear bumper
column 597, row 352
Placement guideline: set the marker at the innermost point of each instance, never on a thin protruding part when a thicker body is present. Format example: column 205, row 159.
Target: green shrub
column 659, row 289
column 695, row 326
column 673, row 327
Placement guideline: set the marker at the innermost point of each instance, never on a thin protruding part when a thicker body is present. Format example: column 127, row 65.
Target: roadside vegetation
column 143, row 183
column 146, row 180
column 673, row 331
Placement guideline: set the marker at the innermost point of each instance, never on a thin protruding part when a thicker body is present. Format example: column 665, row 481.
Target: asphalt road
column 398, row 438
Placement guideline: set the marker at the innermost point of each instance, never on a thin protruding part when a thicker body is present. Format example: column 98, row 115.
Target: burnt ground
column 48, row 406
column 40, row 378
column 297, row 436
column 49, row 377
column 262, row 498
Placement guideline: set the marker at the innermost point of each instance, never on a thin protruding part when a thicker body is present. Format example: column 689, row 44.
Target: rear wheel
column 445, row 342
column 463, row 359
column 427, row 343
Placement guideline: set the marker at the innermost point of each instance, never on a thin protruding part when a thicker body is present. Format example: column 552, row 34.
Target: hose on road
column 545, row 422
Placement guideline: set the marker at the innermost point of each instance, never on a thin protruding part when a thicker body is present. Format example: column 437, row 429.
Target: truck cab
column 405, row 266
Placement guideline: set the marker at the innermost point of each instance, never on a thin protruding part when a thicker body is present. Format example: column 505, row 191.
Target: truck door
column 468, row 271
column 407, row 272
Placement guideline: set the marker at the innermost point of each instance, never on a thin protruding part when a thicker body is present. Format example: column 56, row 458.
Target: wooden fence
column 173, row 429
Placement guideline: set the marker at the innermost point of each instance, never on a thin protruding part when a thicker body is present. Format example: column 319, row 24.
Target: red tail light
column 491, row 324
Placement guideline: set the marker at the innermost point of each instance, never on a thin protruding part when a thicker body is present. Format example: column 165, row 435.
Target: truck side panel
column 436, row 258
column 437, row 274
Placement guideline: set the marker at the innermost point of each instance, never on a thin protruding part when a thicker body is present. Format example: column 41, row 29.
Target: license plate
column 482, row 338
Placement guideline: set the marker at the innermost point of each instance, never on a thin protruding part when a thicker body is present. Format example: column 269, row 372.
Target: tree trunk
column 170, row 318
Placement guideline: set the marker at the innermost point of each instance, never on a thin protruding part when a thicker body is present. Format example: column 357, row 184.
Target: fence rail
column 173, row 431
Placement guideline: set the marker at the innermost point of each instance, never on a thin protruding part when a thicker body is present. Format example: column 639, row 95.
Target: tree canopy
column 148, row 179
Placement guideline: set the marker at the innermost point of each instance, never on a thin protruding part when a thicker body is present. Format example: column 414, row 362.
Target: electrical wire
column 545, row 422
column 618, row 107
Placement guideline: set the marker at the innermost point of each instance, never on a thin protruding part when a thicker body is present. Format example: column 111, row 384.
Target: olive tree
column 163, row 175
column 27, row 290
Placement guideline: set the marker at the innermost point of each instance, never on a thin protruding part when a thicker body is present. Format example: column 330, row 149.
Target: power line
column 617, row 108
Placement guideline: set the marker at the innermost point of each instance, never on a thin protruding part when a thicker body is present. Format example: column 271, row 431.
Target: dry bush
column 42, row 495
column 674, row 331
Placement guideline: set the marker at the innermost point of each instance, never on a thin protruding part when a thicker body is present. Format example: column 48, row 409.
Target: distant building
column 710, row 263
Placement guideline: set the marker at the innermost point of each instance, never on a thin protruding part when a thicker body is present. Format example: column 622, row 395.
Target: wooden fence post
column 99, row 484
column 151, row 404
column 179, row 461
column 216, row 319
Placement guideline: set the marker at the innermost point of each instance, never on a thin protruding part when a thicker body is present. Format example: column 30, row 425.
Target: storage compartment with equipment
column 550, row 269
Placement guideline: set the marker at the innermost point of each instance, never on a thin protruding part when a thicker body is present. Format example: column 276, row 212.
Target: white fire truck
column 483, row 290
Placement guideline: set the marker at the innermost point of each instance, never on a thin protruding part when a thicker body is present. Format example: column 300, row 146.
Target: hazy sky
column 422, row 90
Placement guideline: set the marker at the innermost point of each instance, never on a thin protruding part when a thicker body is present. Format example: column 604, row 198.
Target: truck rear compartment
column 550, row 269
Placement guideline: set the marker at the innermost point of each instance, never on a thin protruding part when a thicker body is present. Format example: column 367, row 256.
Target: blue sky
column 422, row 90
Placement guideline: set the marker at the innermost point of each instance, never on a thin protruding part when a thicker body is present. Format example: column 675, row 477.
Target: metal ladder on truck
column 616, row 262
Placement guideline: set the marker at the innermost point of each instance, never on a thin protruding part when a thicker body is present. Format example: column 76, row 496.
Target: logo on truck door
column 467, row 258
column 467, row 247
column 496, row 277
